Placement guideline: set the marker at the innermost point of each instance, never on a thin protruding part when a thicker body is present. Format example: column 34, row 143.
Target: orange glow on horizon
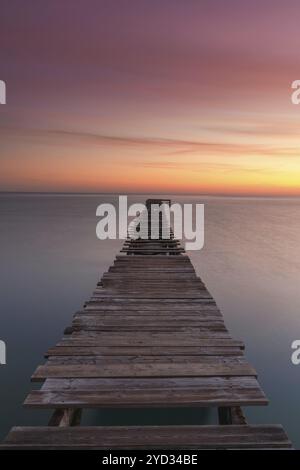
column 120, row 177
column 170, row 99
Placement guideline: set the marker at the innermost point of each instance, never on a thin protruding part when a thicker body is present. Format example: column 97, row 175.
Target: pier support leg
column 66, row 417
column 231, row 415
column 224, row 414
column 237, row 415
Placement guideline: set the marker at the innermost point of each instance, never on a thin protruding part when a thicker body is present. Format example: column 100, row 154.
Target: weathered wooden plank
column 151, row 293
column 139, row 326
column 189, row 318
column 157, row 260
column 141, row 318
column 136, row 295
column 147, row 321
column 201, row 317
column 144, row 302
column 138, row 261
column 151, row 297
column 158, row 284
column 182, row 258
column 151, row 248
column 214, row 369
column 151, row 308
column 124, row 351
column 117, row 322
column 244, row 383
column 146, row 306
column 142, row 341
column 147, row 392
column 154, row 282
column 150, row 437
column 204, row 318
column 147, row 244
column 150, row 277
column 151, row 329
column 161, row 245
column 151, row 269
column 74, row 341
column 154, row 258
column 184, row 337
column 152, row 359
column 138, row 291
column 153, row 279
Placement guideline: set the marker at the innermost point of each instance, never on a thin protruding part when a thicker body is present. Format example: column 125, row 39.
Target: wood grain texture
column 150, row 437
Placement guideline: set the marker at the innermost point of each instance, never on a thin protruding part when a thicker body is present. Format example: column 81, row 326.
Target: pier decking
column 151, row 335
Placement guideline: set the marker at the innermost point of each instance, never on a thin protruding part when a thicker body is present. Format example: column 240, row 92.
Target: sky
column 178, row 96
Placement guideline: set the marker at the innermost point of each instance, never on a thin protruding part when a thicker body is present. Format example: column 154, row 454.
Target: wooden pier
column 150, row 336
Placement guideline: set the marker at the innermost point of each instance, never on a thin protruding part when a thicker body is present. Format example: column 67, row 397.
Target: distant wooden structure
column 151, row 335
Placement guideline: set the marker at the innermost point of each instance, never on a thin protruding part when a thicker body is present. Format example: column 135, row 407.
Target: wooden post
column 231, row 415
column 224, row 413
column 64, row 417
column 237, row 415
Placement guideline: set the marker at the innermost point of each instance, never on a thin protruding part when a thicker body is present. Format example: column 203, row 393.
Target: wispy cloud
column 164, row 146
column 206, row 166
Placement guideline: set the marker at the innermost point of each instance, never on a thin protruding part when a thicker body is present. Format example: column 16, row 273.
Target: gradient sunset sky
column 150, row 96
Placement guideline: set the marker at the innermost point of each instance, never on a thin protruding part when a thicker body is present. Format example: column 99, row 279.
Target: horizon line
column 94, row 193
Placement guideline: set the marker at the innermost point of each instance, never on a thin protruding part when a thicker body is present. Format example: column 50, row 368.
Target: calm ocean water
column 51, row 261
